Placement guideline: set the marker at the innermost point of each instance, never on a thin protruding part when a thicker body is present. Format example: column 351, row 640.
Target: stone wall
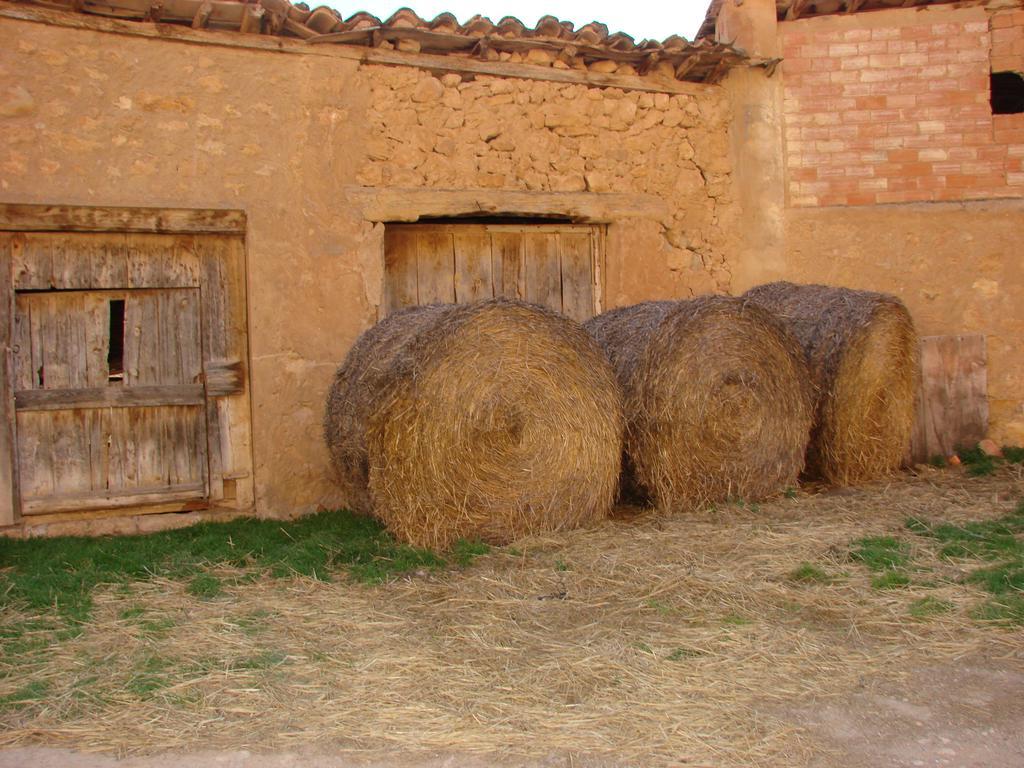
column 515, row 134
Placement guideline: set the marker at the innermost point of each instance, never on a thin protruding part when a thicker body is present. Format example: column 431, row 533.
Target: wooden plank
column 543, row 274
column 224, row 377
column 34, row 454
column 67, row 218
column 399, row 269
column 105, row 500
column 398, row 204
column 473, row 279
column 119, row 461
column 233, row 398
column 215, row 330
column 952, row 404
column 96, row 322
column 142, row 339
column 599, row 237
column 161, row 261
column 508, row 264
column 109, row 397
column 577, row 263
column 9, row 508
column 109, row 258
column 33, row 262
column 180, row 342
column 21, row 344
column 71, row 263
column 435, row 267
column 70, row 454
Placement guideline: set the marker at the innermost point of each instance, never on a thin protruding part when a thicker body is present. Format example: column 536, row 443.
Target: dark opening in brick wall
column 1007, row 93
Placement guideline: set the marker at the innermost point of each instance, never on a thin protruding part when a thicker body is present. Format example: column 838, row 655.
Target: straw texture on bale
column 716, row 397
column 863, row 355
column 487, row 421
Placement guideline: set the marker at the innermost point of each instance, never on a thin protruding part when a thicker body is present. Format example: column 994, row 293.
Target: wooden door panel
column 473, row 267
column 507, row 265
column 543, row 272
column 435, row 268
column 577, row 259
column 109, row 457
column 399, row 270
column 89, row 437
column 59, row 340
column 549, row 264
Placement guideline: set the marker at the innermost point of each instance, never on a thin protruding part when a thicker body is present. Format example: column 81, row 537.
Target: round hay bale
column 716, row 397
column 862, row 350
column 485, row 421
column 354, row 392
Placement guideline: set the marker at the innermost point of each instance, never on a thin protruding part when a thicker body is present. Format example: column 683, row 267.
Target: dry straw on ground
column 716, row 396
column 661, row 641
column 862, row 351
column 491, row 420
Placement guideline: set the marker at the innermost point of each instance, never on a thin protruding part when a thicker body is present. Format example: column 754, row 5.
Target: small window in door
column 115, row 346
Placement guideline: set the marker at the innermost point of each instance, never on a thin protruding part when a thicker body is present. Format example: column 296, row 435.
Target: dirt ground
column 650, row 640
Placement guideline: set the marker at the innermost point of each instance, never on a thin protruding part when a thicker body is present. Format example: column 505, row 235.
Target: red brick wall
column 893, row 107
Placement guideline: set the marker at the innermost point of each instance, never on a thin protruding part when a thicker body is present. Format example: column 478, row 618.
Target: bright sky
column 638, row 18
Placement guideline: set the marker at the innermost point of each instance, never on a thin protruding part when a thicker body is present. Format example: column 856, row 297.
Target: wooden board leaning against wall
column 124, row 380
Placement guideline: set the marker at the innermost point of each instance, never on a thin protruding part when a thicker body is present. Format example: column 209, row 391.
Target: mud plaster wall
column 89, row 118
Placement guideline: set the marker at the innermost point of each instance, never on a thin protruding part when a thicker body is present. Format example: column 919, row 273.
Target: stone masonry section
column 893, row 107
column 497, row 133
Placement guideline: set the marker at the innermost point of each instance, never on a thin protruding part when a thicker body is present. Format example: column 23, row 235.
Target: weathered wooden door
column 124, row 381
column 109, row 398
column 556, row 265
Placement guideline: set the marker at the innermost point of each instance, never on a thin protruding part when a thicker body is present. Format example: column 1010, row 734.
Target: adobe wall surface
column 90, row 118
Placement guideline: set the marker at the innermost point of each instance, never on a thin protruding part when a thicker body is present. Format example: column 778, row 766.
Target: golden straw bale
column 863, row 354
column 490, row 420
column 354, row 392
column 716, row 395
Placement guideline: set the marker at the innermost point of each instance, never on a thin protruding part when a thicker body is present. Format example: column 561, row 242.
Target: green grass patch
column 880, row 553
column 59, row 574
column 261, row 661
column 806, row 573
column 1014, row 454
column 976, row 461
column 24, row 696
column 927, row 607
column 148, row 676
column 1000, row 544
column 205, row 586
column 663, row 608
column 464, row 552
column 1007, row 609
column 979, row 463
column 938, row 461
column 891, row 579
